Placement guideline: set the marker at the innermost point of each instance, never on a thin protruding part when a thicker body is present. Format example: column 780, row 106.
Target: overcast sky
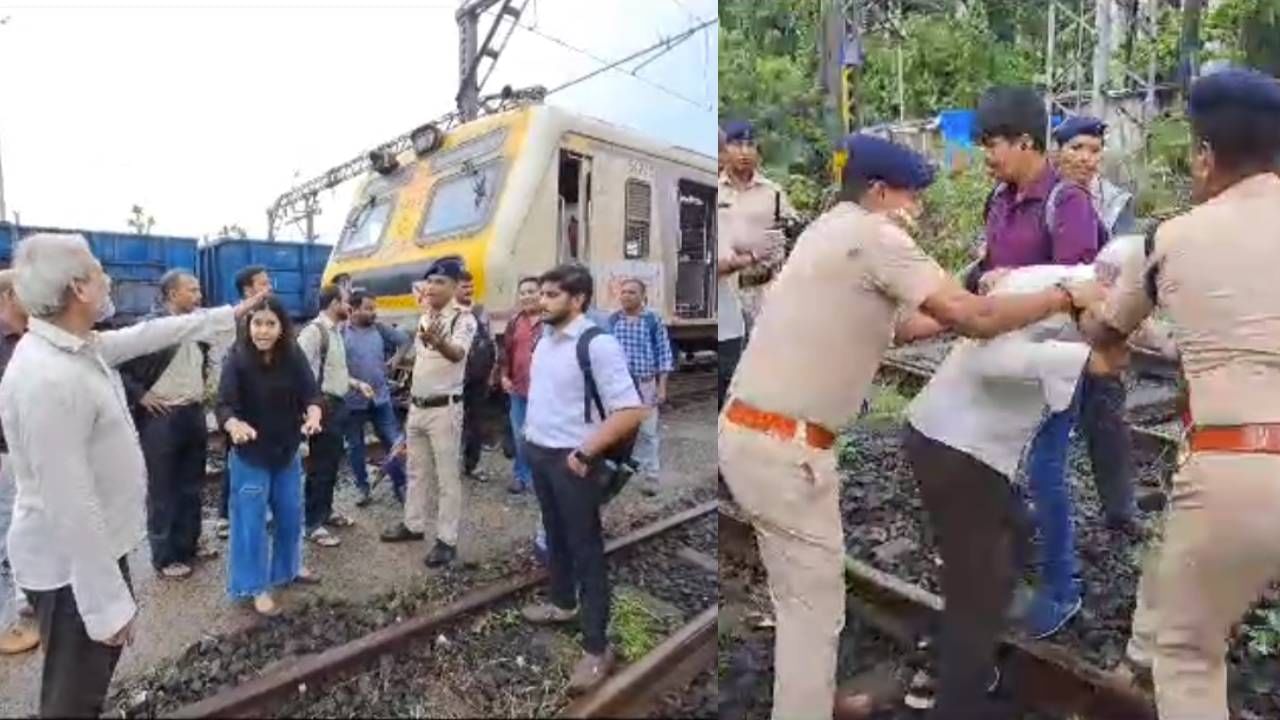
column 204, row 112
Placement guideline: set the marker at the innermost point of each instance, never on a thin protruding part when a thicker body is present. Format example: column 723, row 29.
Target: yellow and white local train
column 517, row 192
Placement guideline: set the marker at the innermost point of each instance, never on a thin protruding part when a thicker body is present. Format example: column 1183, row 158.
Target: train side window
column 637, row 213
column 462, row 202
column 366, row 225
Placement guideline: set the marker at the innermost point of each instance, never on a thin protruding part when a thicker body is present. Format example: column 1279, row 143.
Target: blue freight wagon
column 295, row 269
column 136, row 263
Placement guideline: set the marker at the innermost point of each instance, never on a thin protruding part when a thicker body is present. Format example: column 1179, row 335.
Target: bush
column 951, row 225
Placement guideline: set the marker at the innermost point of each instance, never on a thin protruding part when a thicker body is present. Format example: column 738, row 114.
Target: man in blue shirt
column 369, row 344
column 644, row 339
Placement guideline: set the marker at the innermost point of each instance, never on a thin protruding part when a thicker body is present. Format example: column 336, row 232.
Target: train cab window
column 637, row 214
column 365, row 226
column 463, row 201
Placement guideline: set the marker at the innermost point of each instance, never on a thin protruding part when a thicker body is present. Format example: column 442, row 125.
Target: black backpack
column 620, row 466
column 483, row 353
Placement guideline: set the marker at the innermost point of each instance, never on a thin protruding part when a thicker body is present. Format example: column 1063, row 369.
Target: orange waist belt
column 1261, row 438
column 777, row 425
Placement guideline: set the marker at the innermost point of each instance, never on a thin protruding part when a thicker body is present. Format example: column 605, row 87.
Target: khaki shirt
column 337, row 379
column 1216, row 268
column 182, row 382
column 830, row 317
column 433, row 373
column 744, row 216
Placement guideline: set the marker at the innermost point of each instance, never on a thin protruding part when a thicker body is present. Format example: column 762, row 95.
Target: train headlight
column 384, row 162
column 426, row 139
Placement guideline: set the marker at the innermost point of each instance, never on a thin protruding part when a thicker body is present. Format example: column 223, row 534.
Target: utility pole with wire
column 471, row 52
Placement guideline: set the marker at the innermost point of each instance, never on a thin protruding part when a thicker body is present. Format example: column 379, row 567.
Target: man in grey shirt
column 80, row 474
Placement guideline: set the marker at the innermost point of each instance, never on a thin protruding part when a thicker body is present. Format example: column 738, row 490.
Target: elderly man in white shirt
column 81, row 479
column 966, row 435
column 570, row 433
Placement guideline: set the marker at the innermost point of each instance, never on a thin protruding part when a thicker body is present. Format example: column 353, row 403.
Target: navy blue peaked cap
column 1236, row 88
column 1078, row 125
column 878, row 159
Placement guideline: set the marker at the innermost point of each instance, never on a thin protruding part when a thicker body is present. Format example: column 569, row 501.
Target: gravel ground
column 496, row 536
column 881, row 503
column 503, row 666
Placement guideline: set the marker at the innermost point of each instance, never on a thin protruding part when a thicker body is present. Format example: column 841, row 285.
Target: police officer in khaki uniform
column 829, row 320
column 750, row 205
column 1213, row 271
column 433, row 430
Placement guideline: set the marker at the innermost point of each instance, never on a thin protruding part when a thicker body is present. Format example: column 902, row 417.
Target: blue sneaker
column 1046, row 616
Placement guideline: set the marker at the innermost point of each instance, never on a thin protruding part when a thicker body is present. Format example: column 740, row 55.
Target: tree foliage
column 139, row 221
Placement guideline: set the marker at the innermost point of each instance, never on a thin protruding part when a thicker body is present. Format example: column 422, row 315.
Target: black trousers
column 728, row 352
column 1107, row 435
column 224, row 488
column 77, row 670
column 474, row 396
column 575, row 541
column 173, row 446
column 975, row 516
column 323, row 461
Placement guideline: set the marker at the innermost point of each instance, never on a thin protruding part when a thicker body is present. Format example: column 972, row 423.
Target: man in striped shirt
column 644, row 340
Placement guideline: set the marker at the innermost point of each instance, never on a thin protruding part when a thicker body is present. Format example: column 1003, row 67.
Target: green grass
column 635, row 627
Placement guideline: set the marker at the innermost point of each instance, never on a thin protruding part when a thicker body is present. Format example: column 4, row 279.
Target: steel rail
column 255, row 697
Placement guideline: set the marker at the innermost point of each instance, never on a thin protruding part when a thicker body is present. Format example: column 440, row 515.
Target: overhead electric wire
column 666, row 45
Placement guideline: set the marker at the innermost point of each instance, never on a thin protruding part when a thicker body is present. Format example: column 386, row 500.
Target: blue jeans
column 521, row 471
column 385, row 426
column 256, row 562
column 1047, row 475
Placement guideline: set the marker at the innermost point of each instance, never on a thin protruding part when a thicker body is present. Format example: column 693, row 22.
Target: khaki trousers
column 434, row 448
column 1217, row 558
column 791, row 493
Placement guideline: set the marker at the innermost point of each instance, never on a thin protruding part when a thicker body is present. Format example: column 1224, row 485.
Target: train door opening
column 573, row 242
column 696, row 254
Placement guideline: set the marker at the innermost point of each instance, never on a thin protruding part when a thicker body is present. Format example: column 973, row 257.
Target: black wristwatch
column 582, row 457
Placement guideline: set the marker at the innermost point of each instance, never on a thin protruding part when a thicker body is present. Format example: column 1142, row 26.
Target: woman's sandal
column 266, row 606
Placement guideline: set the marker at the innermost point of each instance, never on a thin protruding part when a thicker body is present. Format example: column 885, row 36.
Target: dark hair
column 528, row 279
column 1244, row 141
column 1011, row 112
column 359, row 296
column 329, row 294
column 571, row 278
column 244, row 278
column 272, row 304
column 169, row 281
column 853, row 183
column 464, row 275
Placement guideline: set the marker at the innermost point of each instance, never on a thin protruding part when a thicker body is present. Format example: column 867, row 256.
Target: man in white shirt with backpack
column 574, row 436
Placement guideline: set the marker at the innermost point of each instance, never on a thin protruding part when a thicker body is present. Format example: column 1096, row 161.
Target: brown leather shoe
column 547, row 613
column 590, row 671
column 18, row 638
column 852, row 706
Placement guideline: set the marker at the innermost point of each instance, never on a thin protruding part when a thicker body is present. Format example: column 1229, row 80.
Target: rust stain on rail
column 671, row 665
column 1044, row 676
column 254, row 697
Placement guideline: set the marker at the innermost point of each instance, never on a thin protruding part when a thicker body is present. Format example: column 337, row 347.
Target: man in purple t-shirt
column 1035, row 217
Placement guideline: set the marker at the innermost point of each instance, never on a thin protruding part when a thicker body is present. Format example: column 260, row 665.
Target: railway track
column 690, row 650
column 1043, row 677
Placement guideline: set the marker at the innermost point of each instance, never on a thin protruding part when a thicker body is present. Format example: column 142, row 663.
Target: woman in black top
column 267, row 401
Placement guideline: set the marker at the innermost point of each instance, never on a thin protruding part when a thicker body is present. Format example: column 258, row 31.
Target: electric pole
column 471, row 51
